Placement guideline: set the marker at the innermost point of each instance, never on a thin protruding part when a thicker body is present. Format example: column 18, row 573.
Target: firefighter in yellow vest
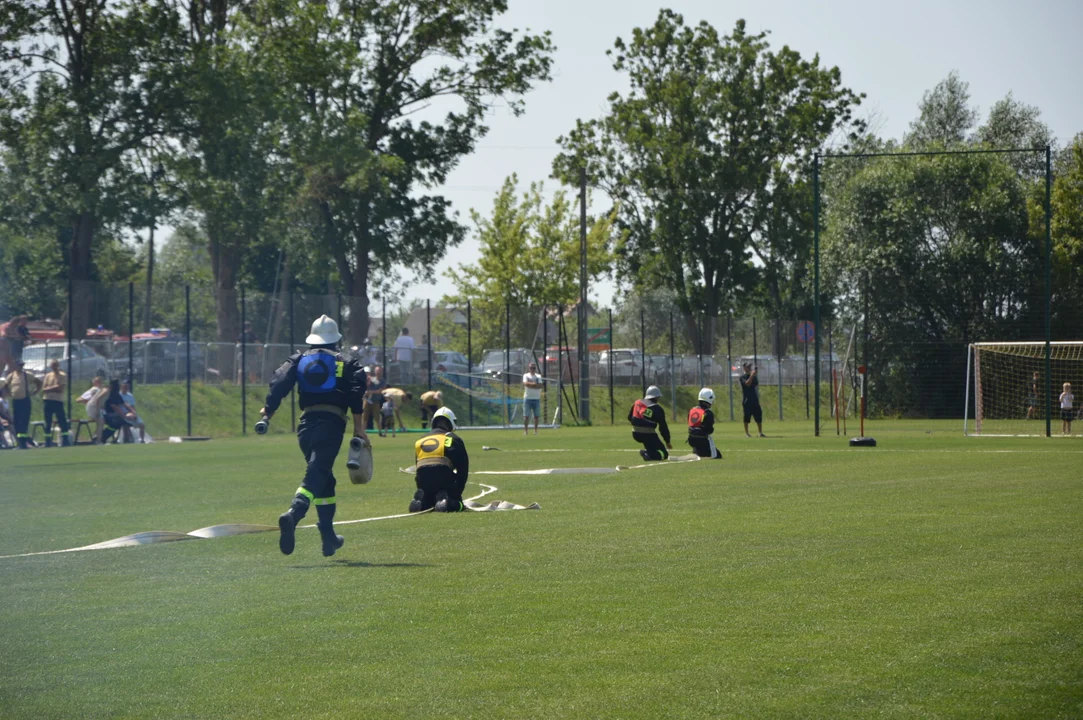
column 442, row 466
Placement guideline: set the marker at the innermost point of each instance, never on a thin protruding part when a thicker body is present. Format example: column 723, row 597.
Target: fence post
column 244, row 368
column 131, row 333
column 507, row 359
column 729, row 358
column 470, row 362
column 816, row 275
column 429, row 355
column 545, row 360
column 293, row 397
column 699, row 350
column 609, row 369
column 188, row 353
column 672, row 363
column 755, row 346
column 778, row 358
column 69, row 340
column 805, row 343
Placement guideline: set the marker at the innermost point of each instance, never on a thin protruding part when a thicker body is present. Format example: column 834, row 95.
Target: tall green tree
column 1067, row 231
column 84, row 84
column 710, row 125
column 357, row 79
column 530, row 254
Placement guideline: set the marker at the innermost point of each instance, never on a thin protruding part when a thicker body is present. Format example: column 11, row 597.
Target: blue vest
column 317, row 372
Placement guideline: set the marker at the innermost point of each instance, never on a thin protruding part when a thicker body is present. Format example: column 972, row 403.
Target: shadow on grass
column 358, row 564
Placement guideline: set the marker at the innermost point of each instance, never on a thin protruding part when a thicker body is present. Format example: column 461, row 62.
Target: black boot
column 287, row 523
column 331, row 541
column 418, row 503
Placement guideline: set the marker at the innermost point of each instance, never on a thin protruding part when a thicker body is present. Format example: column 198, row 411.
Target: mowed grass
column 933, row 576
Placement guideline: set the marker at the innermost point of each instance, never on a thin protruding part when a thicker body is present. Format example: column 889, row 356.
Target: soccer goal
column 1006, row 386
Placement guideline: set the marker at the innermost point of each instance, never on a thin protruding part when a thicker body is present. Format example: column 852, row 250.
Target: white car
column 85, row 363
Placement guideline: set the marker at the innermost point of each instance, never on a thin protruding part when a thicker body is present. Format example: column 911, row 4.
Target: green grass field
column 933, row 576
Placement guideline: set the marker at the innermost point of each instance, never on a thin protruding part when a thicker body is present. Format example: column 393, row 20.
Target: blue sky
column 892, row 52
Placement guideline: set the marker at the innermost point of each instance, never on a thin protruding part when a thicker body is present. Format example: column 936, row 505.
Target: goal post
column 1010, row 392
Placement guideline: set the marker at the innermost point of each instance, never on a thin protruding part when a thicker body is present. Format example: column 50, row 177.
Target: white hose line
column 155, row 537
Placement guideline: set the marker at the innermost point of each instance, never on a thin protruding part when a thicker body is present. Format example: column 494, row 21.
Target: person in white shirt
column 404, row 356
column 93, row 399
column 532, row 391
column 1066, row 399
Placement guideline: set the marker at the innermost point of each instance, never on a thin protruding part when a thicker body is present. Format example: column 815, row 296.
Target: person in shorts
column 1066, row 411
column 750, row 398
column 532, row 392
column 387, row 418
column 431, row 401
column 1032, row 399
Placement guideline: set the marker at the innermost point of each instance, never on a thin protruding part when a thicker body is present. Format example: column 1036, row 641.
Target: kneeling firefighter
column 329, row 384
column 701, row 426
column 442, row 467
column 648, row 420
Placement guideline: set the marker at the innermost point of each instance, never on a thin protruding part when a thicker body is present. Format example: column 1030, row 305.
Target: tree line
column 309, row 140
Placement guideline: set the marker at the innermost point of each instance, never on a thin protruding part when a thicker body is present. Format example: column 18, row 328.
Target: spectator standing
column 398, row 398
column 404, row 356
column 431, row 401
column 750, row 398
column 15, row 334
column 367, row 354
column 387, row 418
column 52, row 394
column 129, row 401
column 22, row 386
column 374, row 398
column 532, row 392
column 1032, row 399
column 7, row 422
column 93, row 399
column 1066, row 400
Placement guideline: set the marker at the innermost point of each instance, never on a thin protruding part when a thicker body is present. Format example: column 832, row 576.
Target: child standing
column 387, row 418
column 1066, row 399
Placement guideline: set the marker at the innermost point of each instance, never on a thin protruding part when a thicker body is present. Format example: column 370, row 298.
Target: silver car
column 85, row 363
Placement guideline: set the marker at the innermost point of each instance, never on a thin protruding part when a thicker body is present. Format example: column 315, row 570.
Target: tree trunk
column 225, row 261
column 82, row 292
column 357, row 289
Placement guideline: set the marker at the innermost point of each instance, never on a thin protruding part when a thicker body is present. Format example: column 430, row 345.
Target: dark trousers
column 320, row 436
column 653, row 447
column 54, row 408
column 433, row 480
column 21, row 410
column 703, row 446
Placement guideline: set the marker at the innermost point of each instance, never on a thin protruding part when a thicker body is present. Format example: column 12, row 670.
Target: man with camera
column 750, row 398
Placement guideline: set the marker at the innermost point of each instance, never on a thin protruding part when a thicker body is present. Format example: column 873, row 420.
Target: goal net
column 1007, row 388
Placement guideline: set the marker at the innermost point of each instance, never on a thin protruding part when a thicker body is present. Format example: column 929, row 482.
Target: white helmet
column 707, row 395
column 445, row 412
column 653, row 393
column 324, row 332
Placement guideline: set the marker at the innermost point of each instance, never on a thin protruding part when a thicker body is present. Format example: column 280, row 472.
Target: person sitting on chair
column 135, row 421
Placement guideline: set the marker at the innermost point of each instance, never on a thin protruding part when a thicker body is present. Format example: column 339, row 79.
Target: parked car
column 85, row 363
column 162, row 357
column 494, row 363
column 627, row 365
column 450, row 361
column 658, row 369
column 561, row 360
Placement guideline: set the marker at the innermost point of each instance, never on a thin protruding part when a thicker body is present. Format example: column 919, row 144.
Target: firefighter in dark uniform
column 701, row 426
column 329, row 384
column 442, row 467
column 648, row 420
